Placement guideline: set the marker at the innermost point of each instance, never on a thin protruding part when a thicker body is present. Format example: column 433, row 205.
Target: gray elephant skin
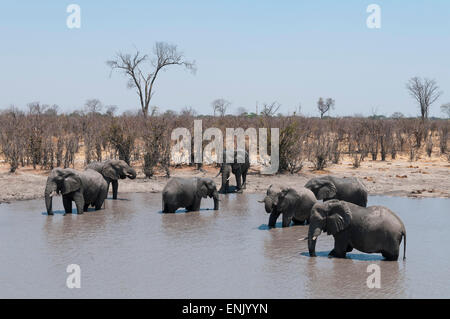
column 188, row 193
column 112, row 171
column 85, row 188
column 294, row 206
column 373, row 229
column 349, row 189
column 239, row 170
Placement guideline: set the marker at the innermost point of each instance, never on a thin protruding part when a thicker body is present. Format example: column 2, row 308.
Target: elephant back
column 93, row 184
column 96, row 166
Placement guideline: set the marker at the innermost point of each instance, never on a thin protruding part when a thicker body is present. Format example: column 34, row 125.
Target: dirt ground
column 423, row 178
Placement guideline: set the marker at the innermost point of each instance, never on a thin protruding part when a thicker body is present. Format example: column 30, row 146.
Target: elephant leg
column 273, row 219
column 79, row 202
column 238, row 181
column 298, row 222
column 67, row 203
column 286, row 220
column 85, row 207
column 99, row 202
column 170, row 209
column 115, row 187
column 244, row 180
column 195, row 205
column 107, row 189
column 349, row 248
column 340, row 246
column 389, row 257
column 392, row 253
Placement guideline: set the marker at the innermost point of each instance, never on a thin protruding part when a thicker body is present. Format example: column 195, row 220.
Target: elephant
column 112, row 170
column 373, row 229
column 83, row 187
column 238, row 169
column 348, row 189
column 295, row 206
column 188, row 193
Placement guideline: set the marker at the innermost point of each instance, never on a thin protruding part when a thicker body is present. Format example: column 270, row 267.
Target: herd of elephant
column 342, row 213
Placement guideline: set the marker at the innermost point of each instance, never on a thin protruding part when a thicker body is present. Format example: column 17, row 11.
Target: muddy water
column 131, row 250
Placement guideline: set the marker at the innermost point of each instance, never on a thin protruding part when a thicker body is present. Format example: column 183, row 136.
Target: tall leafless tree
column 270, row 109
column 324, row 106
column 425, row 92
column 132, row 66
column 220, row 106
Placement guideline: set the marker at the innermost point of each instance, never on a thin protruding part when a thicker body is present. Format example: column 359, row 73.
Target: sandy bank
column 424, row 178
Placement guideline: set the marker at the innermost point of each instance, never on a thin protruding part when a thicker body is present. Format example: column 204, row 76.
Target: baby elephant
column 84, row 188
column 374, row 229
column 111, row 171
column 329, row 187
column 295, row 206
column 188, row 193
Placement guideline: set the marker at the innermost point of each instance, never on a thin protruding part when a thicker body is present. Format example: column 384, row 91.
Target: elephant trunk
column 131, row 174
column 313, row 233
column 50, row 191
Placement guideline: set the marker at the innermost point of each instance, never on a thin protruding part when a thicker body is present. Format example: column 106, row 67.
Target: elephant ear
column 109, row 171
column 338, row 218
column 326, row 191
column 72, row 183
column 202, row 189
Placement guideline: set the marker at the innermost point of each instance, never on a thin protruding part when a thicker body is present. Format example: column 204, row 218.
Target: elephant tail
column 404, row 244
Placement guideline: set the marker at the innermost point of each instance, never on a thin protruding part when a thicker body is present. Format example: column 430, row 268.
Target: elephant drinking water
column 294, row 206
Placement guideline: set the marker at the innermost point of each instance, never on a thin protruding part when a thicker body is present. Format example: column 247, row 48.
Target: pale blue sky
column 246, row 51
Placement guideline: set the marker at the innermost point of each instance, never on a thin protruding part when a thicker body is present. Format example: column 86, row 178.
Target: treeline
column 46, row 140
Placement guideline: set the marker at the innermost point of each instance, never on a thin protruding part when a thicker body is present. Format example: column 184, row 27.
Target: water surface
column 132, row 250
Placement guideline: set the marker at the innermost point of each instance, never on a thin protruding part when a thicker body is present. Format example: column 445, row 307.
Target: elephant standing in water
column 239, row 167
column 188, row 193
column 294, row 206
column 111, row 171
column 84, row 188
column 373, row 229
column 348, row 189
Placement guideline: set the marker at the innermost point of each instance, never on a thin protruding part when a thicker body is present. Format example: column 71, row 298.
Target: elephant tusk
column 228, row 178
column 261, row 201
column 314, row 238
column 53, row 194
column 303, row 238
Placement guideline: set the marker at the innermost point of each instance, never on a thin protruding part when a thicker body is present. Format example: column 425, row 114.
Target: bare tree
column 220, row 106
column 188, row 111
column 425, row 92
column 111, row 110
column 445, row 108
column 270, row 109
column 131, row 65
column 93, row 106
column 324, row 106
